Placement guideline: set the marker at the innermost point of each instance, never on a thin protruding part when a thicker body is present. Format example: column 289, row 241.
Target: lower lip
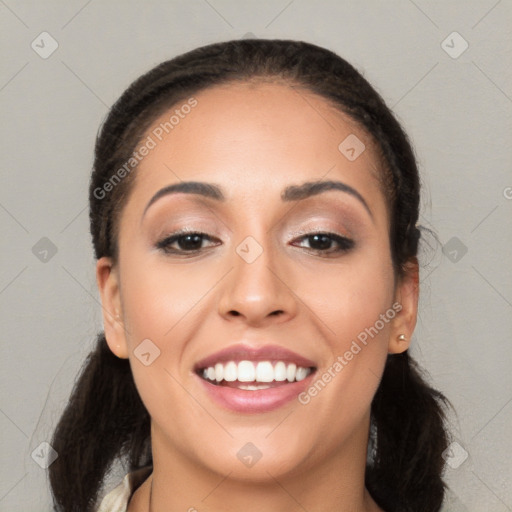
column 255, row 401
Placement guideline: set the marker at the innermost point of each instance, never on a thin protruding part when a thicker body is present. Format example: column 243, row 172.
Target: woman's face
column 256, row 279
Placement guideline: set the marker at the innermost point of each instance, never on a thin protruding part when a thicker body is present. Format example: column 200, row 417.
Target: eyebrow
column 290, row 193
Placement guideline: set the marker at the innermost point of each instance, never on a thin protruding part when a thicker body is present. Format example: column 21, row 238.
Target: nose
column 258, row 292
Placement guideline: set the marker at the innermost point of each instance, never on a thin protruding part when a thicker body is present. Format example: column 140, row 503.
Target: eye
column 186, row 241
column 190, row 242
column 322, row 243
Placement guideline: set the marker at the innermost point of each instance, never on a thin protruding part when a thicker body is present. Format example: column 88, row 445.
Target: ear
column 107, row 279
column 406, row 300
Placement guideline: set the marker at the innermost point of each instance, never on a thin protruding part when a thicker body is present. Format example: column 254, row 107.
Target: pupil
column 325, row 238
column 190, row 246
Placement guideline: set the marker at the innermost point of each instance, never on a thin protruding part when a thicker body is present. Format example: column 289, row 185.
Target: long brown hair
column 105, row 420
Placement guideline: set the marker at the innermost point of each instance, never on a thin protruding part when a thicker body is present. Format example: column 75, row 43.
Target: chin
column 256, row 462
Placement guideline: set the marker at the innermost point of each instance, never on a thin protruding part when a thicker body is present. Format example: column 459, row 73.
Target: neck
column 338, row 483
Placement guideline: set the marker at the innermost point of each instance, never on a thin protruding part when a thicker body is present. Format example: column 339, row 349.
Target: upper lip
column 243, row 352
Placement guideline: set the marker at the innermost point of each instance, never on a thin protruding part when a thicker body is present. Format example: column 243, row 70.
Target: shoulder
column 117, row 499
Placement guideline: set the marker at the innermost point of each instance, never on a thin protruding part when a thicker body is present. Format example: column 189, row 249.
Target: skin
column 254, row 140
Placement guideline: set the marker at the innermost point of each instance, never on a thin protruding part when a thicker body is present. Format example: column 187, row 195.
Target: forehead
column 258, row 138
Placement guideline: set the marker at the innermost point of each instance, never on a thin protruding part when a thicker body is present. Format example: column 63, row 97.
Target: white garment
column 117, row 499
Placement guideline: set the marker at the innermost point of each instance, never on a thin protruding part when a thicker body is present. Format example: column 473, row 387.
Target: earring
column 401, row 337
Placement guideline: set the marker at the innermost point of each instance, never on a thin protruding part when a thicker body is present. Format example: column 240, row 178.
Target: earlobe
column 108, row 285
column 407, row 294
column 398, row 345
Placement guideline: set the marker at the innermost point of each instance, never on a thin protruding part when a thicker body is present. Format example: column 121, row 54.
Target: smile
column 262, row 374
column 249, row 379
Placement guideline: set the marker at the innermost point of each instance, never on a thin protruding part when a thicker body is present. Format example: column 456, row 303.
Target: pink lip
column 257, row 401
column 241, row 352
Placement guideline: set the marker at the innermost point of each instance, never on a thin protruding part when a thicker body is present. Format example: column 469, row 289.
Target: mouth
column 254, row 375
column 245, row 379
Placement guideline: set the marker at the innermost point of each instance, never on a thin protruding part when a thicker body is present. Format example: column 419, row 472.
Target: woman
column 253, row 211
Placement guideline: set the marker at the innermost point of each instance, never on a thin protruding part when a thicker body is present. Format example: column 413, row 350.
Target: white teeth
column 219, row 372
column 246, row 371
column 290, row 372
column 230, row 371
column 252, row 388
column 262, row 371
column 302, row 373
column 280, row 371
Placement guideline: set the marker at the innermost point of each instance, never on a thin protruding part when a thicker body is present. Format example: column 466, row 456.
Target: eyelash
column 345, row 244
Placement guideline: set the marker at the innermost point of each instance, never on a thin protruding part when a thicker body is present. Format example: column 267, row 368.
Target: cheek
column 353, row 305
column 350, row 298
column 156, row 297
column 160, row 304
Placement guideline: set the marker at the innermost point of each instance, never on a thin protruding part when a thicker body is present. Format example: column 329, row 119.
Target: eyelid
column 320, row 230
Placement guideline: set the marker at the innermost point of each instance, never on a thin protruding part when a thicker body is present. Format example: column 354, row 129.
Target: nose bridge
column 256, row 286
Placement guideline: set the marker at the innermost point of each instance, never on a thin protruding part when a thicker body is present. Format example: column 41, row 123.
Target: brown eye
column 186, row 242
column 322, row 242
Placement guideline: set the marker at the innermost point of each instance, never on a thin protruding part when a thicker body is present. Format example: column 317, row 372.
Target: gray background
column 456, row 108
